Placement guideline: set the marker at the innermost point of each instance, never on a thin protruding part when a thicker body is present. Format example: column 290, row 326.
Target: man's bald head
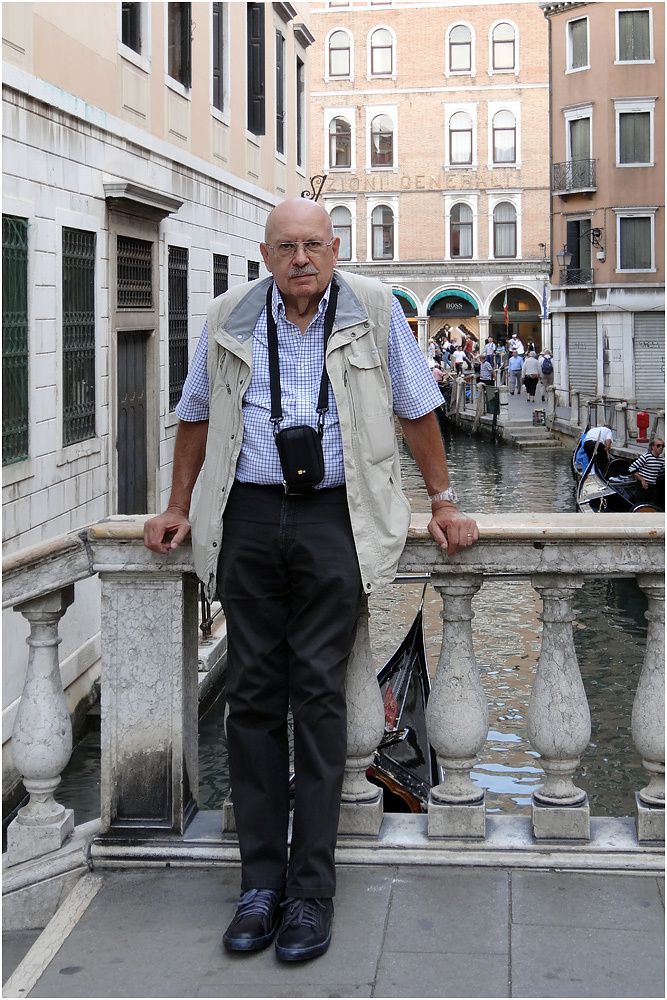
column 299, row 211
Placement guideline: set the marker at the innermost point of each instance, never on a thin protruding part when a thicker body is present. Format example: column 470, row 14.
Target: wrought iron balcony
column 573, row 176
column 577, row 275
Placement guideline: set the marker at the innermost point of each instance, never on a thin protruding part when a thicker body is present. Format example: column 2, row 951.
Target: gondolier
column 296, row 381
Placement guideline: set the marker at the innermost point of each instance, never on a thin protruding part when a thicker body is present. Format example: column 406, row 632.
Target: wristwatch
column 449, row 494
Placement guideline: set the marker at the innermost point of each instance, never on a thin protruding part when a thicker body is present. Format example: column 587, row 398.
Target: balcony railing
column 149, row 677
column 573, row 176
column 577, row 275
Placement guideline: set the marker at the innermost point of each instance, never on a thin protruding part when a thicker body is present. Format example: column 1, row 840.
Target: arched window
column 340, row 143
column 382, row 233
column 504, row 230
column 460, row 231
column 382, row 141
column 460, row 138
column 381, row 52
column 460, row 49
column 341, row 220
column 339, row 54
column 504, row 137
column 503, row 47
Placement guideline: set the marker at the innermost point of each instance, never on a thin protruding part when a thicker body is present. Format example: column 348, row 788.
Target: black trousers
column 290, row 587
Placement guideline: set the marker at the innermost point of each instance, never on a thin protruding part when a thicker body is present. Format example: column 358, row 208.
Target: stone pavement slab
column 418, row 931
column 15, row 944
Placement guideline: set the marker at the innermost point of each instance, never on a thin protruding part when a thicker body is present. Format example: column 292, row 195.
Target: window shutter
column 217, row 57
column 256, row 104
column 572, row 243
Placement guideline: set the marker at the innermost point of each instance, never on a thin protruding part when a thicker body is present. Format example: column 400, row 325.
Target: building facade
column 608, row 145
column 430, row 121
column 143, row 146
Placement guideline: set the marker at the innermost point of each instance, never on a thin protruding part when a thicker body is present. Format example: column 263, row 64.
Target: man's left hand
column 449, row 527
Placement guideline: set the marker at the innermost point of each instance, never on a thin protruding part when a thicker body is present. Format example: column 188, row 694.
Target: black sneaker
column 306, row 929
column 255, row 922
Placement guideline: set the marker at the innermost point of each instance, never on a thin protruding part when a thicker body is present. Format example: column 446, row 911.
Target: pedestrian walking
column 531, row 375
column 515, row 372
column 546, row 371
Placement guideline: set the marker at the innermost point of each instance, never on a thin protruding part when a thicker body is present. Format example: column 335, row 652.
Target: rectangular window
column 280, row 92
column 78, row 318
column 578, row 43
column 635, row 243
column 131, row 25
column 178, row 322
column 134, row 269
column 218, row 56
column 14, row 339
column 634, row 35
column 179, row 43
column 300, row 110
column 634, row 137
column 253, row 270
column 220, row 274
column 256, row 71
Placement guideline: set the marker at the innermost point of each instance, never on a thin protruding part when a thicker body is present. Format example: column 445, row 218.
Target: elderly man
column 329, row 358
column 649, row 470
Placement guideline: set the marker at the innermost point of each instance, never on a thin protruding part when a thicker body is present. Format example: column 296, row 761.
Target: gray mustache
column 299, row 272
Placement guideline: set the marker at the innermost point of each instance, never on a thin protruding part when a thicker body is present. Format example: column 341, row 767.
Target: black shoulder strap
column 274, row 363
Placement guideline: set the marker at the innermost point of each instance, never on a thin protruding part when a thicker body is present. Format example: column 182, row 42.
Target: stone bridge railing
column 149, row 680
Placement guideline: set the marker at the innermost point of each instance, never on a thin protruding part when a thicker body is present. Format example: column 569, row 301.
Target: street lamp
column 564, row 256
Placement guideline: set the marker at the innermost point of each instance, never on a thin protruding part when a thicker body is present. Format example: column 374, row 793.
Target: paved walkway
column 426, row 931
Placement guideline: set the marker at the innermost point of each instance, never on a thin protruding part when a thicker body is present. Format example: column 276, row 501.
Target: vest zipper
column 350, row 397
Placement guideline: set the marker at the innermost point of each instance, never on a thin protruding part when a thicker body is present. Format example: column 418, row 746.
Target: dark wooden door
column 131, row 440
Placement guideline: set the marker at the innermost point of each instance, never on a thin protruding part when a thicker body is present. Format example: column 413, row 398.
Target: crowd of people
column 513, row 363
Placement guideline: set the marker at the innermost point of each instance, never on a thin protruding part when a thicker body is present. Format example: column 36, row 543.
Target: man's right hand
column 166, row 531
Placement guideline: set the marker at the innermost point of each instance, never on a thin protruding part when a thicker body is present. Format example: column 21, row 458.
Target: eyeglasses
column 656, row 445
column 311, row 247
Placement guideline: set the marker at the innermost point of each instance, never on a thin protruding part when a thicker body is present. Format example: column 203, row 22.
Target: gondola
column 405, row 765
column 613, row 491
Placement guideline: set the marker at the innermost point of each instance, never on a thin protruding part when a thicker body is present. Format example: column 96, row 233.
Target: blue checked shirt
column 301, row 355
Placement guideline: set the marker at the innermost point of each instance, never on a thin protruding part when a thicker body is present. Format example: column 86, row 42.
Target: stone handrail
column 149, row 679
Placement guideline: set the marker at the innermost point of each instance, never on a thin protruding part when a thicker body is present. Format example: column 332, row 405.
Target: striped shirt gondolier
column 301, row 355
column 649, row 466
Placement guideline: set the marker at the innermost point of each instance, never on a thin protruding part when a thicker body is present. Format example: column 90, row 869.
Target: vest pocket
column 367, row 384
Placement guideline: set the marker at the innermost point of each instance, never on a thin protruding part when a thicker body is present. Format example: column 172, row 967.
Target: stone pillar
column 648, row 714
column 559, row 722
column 422, row 333
column 361, row 802
column 42, row 735
column 621, row 424
column 150, row 771
column 483, row 329
column 457, row 716
column 550, row 414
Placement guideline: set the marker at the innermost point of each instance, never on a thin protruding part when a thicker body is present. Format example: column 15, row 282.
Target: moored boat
column 405, row 765
column 614, row 490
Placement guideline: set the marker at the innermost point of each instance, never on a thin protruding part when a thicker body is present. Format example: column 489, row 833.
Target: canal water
column 610, row 634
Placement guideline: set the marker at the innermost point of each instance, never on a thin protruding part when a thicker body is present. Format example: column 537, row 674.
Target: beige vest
column 358, row 370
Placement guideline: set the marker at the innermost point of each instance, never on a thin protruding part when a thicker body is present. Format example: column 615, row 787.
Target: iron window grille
column 253, row 270
column 78, row 320
column 178, row 322
column 14, row 339
column 134, row 266
column 220, row 274
column 131, row 26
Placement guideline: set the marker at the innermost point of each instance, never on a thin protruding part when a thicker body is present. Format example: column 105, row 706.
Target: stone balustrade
column 149, row 695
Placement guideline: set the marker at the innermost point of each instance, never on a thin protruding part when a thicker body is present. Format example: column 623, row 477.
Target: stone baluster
column 648, row 714
column 42, row 735
column 457, row 716
column 559, row 721
column 361, row 802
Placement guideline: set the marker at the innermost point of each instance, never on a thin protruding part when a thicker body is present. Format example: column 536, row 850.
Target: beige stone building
column 430, row 121
column 143, row 146
column 608, row 152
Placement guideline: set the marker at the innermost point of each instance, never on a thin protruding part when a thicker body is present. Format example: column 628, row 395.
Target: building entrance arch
column 453, row 313
column 524, row 317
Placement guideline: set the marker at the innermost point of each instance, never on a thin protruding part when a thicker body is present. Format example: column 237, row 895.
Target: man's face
column 658, row 448
column 298, row 273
